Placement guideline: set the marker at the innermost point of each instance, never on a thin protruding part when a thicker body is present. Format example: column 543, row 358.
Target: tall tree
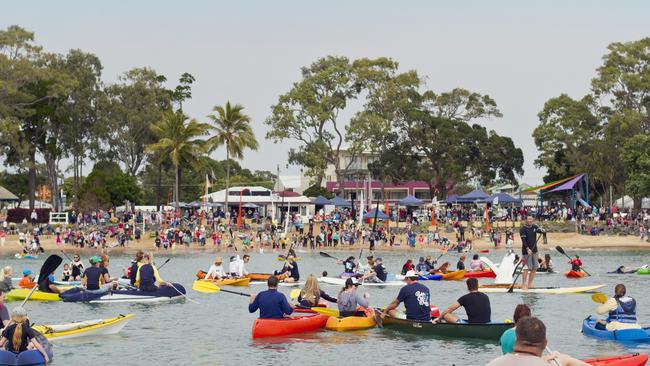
column 232, row 129
column 179, row 140
column 132, row 106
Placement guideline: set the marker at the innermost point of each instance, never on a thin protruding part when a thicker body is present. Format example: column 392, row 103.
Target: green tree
column 636, row 156
column 108, row 186
column 131, row 107
column 232, row 129
column 179, row 140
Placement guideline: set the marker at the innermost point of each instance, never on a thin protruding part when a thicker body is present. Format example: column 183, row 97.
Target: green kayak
column 643, row 271
column 491, row 331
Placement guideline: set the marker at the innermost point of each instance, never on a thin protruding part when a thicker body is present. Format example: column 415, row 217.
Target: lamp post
column 239, row 213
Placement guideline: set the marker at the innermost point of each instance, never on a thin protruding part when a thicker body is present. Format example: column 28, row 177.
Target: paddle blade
column 205, row 287
column 326, row 311
column 294, row 294
column 323, row 254
column 49, row 266
column 599, row 297
column 559, row 249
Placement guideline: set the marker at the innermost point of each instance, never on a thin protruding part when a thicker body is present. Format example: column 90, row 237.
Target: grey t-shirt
column 4, row 315
column 348, row 301
column 517, row 359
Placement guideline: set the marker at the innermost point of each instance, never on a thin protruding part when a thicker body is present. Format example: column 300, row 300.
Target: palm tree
column 232, row 129
column 178, row 140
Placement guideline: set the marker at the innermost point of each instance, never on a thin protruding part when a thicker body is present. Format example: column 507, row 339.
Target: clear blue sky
column 519, row 52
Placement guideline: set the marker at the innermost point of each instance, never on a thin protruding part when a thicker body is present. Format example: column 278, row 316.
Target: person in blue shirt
column 271, row 303
column 415, row 297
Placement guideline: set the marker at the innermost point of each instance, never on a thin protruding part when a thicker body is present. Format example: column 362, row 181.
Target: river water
column 218, row 330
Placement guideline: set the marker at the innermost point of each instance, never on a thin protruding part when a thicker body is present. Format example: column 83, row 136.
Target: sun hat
column 27, row 272
column 411, row 274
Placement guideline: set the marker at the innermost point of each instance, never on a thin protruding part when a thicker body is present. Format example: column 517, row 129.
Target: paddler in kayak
column 529, row 348
column 93, row 278
column 408, row 266
column 311, row 294
column 4, row 313
column 77, row 268
column 349, row 266
column 576, row 264
column 476, row 265
column 135, row 264
column 621, row 310
column 216, row 271
column 103, row 265
column 351, row 302
column 377, row 274
column 476, row 304
column 461, row 263
column 290, row 270
column 240, row 267
column 147, row 277
column 415, row 297
column 18, row 336
column 422, row 267
column 528, row 233
column 27, row 281
column 271, row 303
column 47, row 284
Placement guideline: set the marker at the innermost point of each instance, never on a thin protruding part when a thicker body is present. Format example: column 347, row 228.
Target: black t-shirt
column 460, row 265
column 477, row 307
column 380, row 271
column 93, row 275
column 416, row 301
column 294, row 271
column 104, row 271
column 528, row 238
column 28, row 334
column 349, row 266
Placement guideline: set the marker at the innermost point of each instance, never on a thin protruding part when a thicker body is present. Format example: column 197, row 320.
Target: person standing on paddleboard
column 529, row 254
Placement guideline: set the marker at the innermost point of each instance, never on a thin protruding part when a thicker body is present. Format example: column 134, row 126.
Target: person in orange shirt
column 27, row 281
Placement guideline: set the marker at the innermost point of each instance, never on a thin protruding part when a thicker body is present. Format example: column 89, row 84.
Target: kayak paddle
column 599, row 297
column 323, row 254
column 510, row 290
column 211, row 288
column 559, row 249
column 440, row 256
column 294, row 294
column 49, row 266
column 162, row 265
column 326, row 311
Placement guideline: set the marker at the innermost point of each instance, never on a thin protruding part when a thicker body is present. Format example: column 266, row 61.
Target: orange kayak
column 637, row 359
column 263, row 276
column 244, row 281
column 454, row 276
column 264, row 328
column 575, row 274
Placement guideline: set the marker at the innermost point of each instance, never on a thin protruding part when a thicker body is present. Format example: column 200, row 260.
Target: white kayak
column 543, row 290
column 341, row 282
column 96, row 327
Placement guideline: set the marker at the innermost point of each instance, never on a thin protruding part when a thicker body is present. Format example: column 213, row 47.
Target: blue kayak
column 630, row 335
column 431, row 277
column 29, row 357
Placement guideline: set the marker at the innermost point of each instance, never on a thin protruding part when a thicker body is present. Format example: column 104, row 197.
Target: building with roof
column 269, row 203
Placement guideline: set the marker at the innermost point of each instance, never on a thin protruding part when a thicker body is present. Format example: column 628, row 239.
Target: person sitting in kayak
column 529, row 348
column 546, row 265
column 92, row 279
column 509, row 337
column 476, row 265
column 460, row 266
column 271, row 303
column 103, row 265
column 216, row 271
column 291, row 270
column 147, row 277
column 370, row 263
column 311, row 294
column 415, row 297
column 18, row 336
column 621, row 310
column 27, row 281
column 4, row 313
column 349, row 265
column 5, row 279
column 576, row 264
column 377, row 274
column 444, row 268
column 351, row 302
column 408, row 266
column 77, row 267
column 422, row 267
column 47, row 284
column 67, row 272
column 476, row 304
column 135, row 264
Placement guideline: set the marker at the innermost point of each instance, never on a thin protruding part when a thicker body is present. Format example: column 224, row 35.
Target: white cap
column 412, row 274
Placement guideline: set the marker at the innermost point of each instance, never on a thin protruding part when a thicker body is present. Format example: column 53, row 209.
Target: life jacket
column 625, row 311
column 147, row 278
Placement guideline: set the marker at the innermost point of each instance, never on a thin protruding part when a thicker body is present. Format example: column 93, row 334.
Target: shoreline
column 570, row 241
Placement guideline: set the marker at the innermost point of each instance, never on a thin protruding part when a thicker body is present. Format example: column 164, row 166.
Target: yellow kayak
column 231, row 282
column 19, row 294
column 350, row 323
column 84, row 329
column 283, row 259
column 454, row 276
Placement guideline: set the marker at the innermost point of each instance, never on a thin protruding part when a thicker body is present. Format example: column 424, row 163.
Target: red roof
column 288, row 194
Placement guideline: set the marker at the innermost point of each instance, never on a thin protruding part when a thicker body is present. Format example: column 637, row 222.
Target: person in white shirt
column 240, row 270
column 216, row 271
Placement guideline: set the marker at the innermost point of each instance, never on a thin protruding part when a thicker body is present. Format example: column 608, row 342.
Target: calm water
column 217, row 331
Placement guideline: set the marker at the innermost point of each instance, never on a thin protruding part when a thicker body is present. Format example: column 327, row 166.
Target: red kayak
column 484, row 250
column 263, row 328
column 624, row 360
column 575, row 274
column 481, row 274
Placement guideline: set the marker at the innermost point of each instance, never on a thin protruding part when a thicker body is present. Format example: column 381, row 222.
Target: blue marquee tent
column 503, row 198
column 320, row 201
column 340, row 202
column 371, row 215
column 410, row 201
